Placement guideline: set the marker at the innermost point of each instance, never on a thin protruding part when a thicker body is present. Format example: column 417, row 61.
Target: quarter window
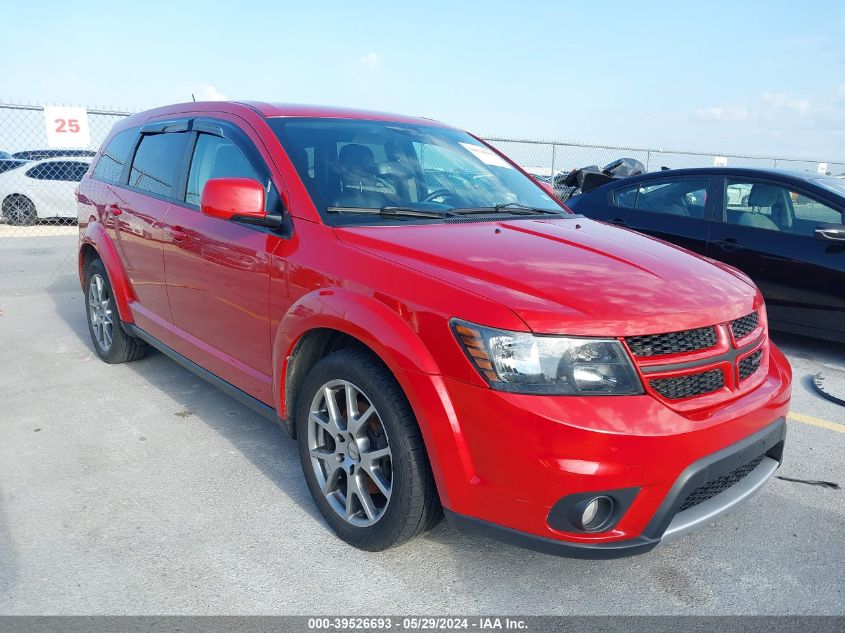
column 156, row 162
column 675, row 196
column 215, row 157
column 109, row 167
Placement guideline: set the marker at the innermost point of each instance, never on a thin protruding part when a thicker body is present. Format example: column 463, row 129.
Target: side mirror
column 831, row 232
column 234, row 199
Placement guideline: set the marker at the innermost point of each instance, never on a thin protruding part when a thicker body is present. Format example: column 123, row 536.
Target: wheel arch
column 327, row 320
column 96, row 243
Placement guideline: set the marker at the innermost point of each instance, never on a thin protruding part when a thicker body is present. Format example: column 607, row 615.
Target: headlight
column 524, row 363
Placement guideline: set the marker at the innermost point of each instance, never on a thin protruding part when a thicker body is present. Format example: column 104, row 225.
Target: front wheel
column 362, row 453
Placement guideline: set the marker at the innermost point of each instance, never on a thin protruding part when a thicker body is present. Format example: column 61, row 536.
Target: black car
column 41, row 154
column 784, row 229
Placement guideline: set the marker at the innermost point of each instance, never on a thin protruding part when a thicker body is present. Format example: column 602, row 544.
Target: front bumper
column 502, row 461
column 667, row 523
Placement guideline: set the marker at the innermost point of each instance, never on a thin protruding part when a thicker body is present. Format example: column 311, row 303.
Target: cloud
column 369, row 61
column 728, row 114
column 207, row 92
column 783, row 100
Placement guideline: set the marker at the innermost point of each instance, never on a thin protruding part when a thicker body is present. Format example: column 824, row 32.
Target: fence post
column 552, row 173
column 648, row 160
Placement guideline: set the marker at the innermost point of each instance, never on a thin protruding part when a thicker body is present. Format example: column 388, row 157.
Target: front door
column 218, row 274
column 677, row 209
column 768, row 232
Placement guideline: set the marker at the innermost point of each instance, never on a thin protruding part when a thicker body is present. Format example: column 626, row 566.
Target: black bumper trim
column 569, row 549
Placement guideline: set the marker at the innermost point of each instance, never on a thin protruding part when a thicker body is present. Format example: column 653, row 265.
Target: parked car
column 432, row 327
column 39, row 154
column 784, row 229
column 41, row 189
column 10, row 163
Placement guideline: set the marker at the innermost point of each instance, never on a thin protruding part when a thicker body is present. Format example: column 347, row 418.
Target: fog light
column 596, row 513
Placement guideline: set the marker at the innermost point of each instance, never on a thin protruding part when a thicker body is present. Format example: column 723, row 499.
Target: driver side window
column 215, row 157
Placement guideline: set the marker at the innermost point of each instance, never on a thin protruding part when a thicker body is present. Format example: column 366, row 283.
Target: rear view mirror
column 234, row 199
column 831, row 232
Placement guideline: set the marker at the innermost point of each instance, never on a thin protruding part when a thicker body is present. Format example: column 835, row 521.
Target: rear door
column 138, row 212
column 218, row 271
column 767, row 231
column 677, row 209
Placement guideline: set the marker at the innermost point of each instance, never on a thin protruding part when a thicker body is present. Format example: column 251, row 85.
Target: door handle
column 176, row 233
column 618, row 222
column 113, row 209
column 728, row 244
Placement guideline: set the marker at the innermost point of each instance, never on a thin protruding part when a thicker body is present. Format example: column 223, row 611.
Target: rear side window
column 71, row 171
column 110, row 166
column 215, row 157
column 156, row 163
column 676, row 196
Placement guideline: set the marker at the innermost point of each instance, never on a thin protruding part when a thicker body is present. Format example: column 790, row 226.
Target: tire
column 744, row 202
column 19, row 210
column 386, row 454
column 111, row 342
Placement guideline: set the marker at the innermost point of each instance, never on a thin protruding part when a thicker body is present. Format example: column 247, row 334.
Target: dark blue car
column 784, row 229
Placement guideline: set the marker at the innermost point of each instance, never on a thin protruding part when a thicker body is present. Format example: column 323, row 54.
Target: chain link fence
column 44, row 151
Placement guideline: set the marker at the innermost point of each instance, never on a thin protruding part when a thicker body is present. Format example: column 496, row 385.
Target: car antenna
column 193, row 97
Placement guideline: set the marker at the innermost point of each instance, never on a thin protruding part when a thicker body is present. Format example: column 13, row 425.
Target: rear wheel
column 111, row 342
column 362, row 453
column 19, row 210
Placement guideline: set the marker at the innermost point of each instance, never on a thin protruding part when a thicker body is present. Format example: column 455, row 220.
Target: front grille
column 689, row 385
column 672, row 342
column 744, row 326
column 750, row 364
column 712, row 488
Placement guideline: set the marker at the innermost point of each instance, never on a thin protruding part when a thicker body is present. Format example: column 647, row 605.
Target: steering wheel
column 437, row 193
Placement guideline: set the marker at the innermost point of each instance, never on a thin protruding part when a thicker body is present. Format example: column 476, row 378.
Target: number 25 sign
column 67, row 127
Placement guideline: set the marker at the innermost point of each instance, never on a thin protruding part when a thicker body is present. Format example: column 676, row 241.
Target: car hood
column 571, row 275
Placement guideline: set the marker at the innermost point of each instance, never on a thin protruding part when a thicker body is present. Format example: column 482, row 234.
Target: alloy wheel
column 350, row 453
column 100, row 312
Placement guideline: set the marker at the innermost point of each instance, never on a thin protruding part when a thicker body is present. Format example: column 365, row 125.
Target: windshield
column 354, row 164
column 836, row 185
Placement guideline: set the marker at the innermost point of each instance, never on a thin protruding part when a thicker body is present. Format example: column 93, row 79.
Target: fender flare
column 393, row 340
column 97, row 237
column 363, row 318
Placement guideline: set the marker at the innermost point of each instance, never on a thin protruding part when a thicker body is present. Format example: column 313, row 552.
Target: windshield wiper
column 392, row 212
column 513, row 208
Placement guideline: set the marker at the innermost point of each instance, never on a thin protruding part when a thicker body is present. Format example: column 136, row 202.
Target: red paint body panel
column 236, row 301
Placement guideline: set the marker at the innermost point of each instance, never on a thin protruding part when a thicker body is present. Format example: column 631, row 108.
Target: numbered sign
column 67, row 127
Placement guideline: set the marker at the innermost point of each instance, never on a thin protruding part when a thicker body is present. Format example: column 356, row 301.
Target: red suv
column 435, row 330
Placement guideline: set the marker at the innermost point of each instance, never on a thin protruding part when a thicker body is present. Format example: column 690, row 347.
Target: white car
column 41, row 189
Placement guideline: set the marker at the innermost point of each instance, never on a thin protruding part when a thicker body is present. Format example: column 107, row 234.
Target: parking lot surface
column 140, row 489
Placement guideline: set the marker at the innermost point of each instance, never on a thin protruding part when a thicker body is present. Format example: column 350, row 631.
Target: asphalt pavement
column 140, row 489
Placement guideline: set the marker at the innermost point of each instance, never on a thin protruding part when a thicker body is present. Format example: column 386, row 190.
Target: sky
column 748, row 77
